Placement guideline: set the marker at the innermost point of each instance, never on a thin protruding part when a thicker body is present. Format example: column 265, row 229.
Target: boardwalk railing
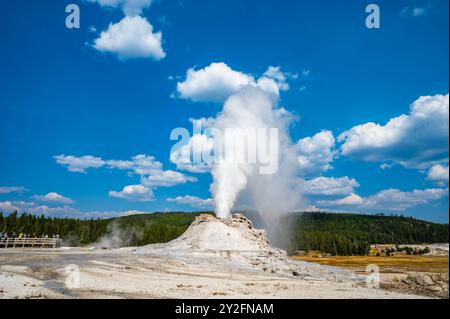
column 30, row 243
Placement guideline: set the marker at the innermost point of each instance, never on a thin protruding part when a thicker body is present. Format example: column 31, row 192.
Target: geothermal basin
column 214, row 258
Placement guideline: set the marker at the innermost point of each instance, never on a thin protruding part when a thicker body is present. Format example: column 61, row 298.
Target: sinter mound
column 210, row 233
column 235, row 245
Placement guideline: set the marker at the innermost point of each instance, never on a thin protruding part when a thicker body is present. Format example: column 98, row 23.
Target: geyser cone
column 233, row 245
column 217, row 234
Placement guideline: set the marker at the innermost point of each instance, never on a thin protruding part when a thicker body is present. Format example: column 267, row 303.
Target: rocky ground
column 214, row 258
column 426, row 284
column 422, row 274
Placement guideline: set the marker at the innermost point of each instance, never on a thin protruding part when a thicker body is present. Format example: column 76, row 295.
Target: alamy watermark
column 373, row 276
column 72, row 277
column 251, row 145
column 73, row 19
column 373, row 20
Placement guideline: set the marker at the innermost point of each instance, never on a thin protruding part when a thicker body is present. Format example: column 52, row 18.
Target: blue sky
column 91, row 97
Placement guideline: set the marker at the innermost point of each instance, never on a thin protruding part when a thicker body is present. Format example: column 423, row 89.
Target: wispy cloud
column 61, row 211
column 129, row 7
column 388, row 200
column 12, row 189
column 79, row 164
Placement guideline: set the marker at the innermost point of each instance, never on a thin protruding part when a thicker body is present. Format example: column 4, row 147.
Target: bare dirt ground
column 213, row 259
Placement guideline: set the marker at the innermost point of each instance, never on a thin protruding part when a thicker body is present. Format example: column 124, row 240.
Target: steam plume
column 241, row 183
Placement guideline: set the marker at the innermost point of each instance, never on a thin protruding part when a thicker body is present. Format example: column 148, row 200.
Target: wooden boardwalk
column 30, row 243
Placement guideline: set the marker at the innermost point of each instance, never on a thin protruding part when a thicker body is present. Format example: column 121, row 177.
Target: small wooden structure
column 30, row 242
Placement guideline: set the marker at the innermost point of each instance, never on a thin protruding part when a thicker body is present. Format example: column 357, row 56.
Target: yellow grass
column 393, row 264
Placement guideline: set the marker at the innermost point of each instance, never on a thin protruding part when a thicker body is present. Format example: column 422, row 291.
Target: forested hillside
column 133, row 230
column 334, row 233
column 351, row 234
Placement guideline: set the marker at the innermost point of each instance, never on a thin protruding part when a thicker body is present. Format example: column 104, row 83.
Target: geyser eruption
column 268, row 184
column 247, row 110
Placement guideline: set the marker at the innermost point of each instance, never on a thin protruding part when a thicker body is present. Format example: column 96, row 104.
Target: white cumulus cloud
column 330, row 186
column 151, row 173
column 416, row 140
column 141, row 164
column 166, row 179
column 350, row 200
column 53, row 197
column 438, row 173
column 137, row 193
column 131, row 38
column 120, row 164
column 145, row 164
column 216, row 82
column 316, row 153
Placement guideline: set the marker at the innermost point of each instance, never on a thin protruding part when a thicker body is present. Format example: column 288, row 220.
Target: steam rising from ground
column 242, row 184
column 118, row 236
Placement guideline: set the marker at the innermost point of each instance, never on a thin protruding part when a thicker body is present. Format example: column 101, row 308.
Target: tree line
column 352, row 234
column 333, row 233
column 135, row 230
column 73, row 231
